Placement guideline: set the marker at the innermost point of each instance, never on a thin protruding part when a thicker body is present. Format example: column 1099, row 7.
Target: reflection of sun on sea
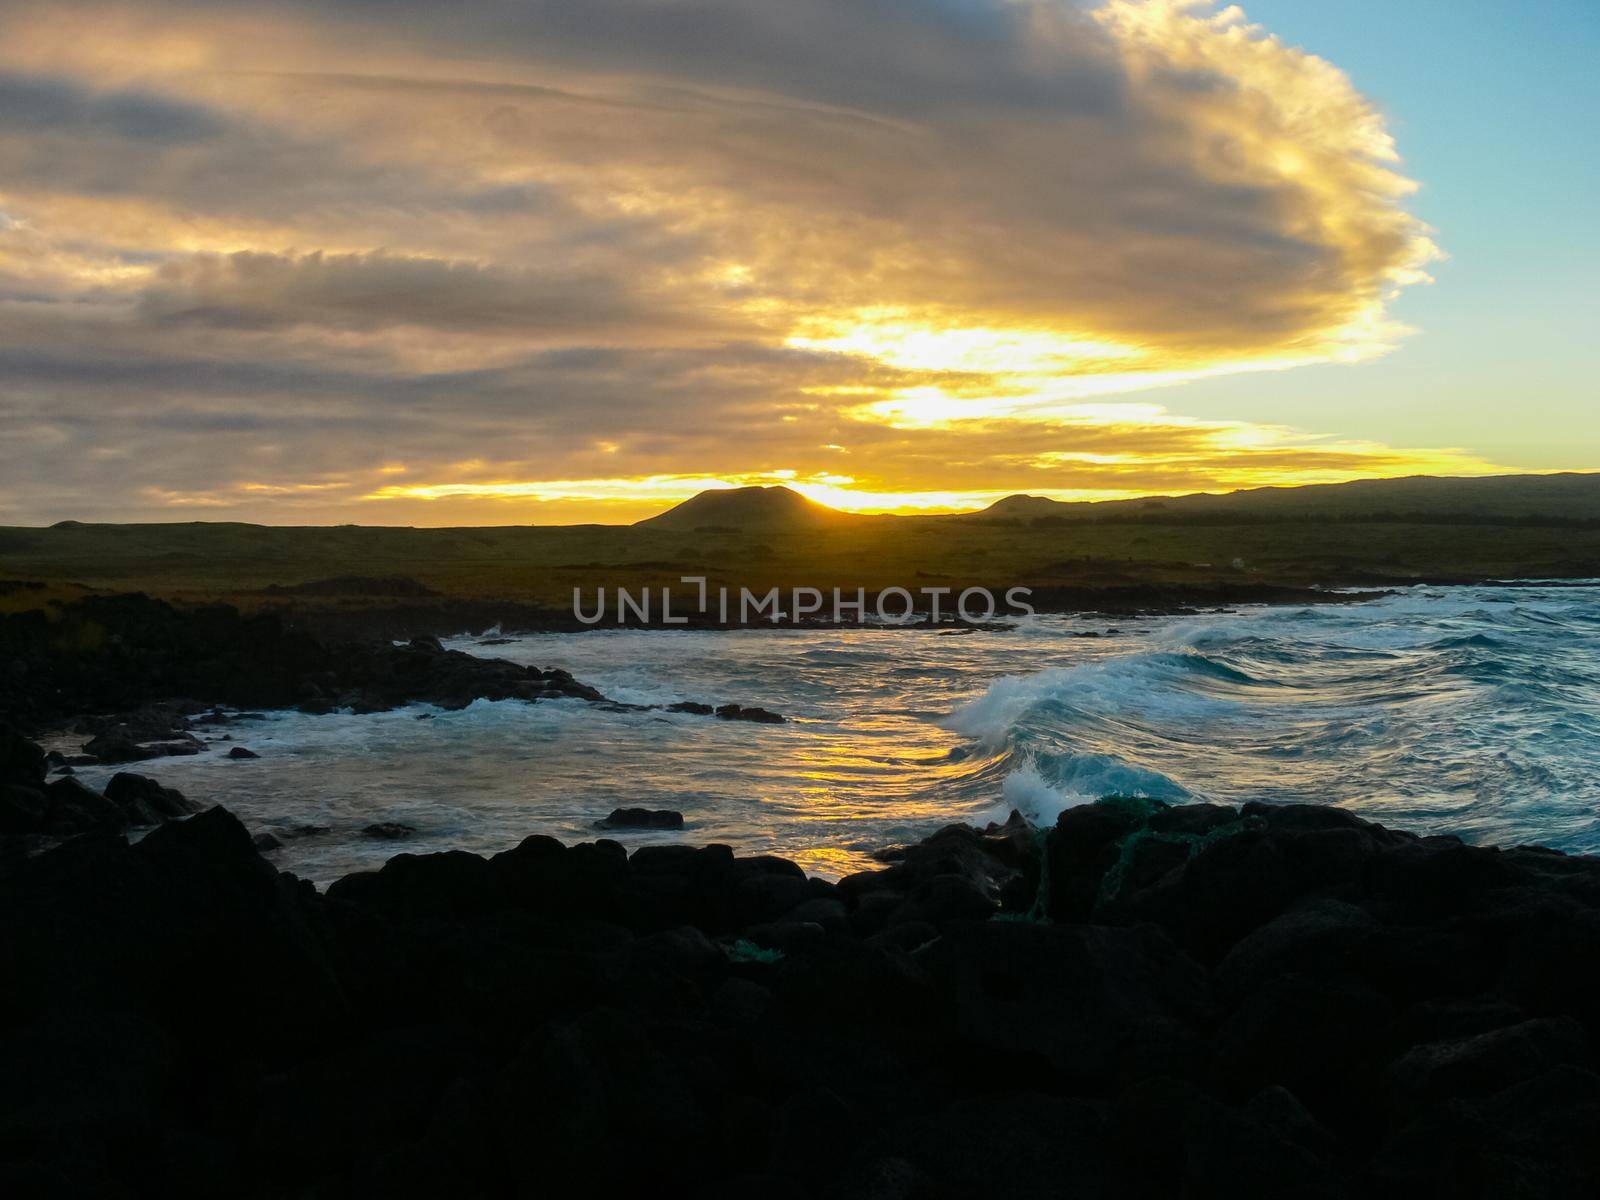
column 832, row 862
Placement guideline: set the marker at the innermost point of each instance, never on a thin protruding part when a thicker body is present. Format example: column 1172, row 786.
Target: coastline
column 124, row 655
column 479, row 617
column 1142, row 1000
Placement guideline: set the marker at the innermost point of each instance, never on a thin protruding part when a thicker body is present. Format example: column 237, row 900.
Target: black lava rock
column 145, row 798
column 641, row 818
column 737, row 712
column 142, row 653
column 1145, row 1000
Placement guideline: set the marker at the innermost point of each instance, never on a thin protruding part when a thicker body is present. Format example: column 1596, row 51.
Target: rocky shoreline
column 139, row 678
column 138, row 675
column 1141, row 1001
column 359, row 610
column 403, row 616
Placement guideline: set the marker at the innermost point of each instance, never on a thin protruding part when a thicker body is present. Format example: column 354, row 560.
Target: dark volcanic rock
column 389, row 831
column 737, row 712
column 21, row 761
column 641, row 818
column 117, row 747
column 133, row 655
column 22, row 809
column 74, row 808
column 241, row 752
column 1272, row 1002
column 137, row 794
column 729, row 712
column 157, row 730
column 65, row 807
column 1064, row 999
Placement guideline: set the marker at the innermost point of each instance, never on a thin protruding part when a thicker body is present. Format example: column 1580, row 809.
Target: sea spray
column 1467, row 709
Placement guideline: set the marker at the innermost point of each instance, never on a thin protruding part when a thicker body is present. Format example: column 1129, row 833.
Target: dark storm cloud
column 257, row 245
column 365, row 291
column 898, row 56
column 35, row 104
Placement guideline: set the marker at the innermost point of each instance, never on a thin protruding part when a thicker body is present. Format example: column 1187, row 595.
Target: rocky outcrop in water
column 375, row 678
column 35, row 809
column 641, row 818
column 130, row 670
column 123, row 654
column 1144, row 1001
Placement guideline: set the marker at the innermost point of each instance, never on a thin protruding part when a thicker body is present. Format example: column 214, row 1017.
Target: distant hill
column 1024, row 508
column 1569, row 495
column 1394, row 532
column 746, row 508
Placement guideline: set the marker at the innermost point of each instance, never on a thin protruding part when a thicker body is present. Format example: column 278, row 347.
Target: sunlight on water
column 1473, row 710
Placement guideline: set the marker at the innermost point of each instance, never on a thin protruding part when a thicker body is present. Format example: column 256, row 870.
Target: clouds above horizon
column 390, row 261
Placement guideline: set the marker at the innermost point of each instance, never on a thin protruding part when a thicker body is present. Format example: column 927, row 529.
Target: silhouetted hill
column 1569, row 495
column 746, row 508
column 1357, row 534
column 1025, row 508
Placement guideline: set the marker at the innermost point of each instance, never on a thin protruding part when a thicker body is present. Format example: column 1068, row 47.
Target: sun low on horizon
column 561, row 261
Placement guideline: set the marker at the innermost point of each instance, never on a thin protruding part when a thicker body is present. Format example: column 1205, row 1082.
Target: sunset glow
column 322, row 261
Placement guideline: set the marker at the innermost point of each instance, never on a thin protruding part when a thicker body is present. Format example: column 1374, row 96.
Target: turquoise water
column 1473, row 710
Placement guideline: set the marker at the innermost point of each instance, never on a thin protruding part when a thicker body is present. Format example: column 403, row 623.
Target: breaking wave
column 1470, row 709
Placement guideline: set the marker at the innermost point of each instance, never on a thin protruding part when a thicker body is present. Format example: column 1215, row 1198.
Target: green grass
column 541, row 565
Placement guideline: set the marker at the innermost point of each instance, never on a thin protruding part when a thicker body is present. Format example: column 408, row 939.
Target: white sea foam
column 1470, row 709
column 1028, row 792
column 1153, row 684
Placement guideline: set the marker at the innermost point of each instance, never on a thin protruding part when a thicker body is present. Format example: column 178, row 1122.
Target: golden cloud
column 620, row 252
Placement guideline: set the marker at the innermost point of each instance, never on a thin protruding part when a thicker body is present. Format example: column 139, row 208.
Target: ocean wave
column 1044, row 785
column 1472, row 708
column 1158, row 684
column 1468, row 641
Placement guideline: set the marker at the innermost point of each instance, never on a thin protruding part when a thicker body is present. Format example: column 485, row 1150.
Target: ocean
column 1470, row 710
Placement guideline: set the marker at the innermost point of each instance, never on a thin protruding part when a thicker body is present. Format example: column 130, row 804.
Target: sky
column 510, row 261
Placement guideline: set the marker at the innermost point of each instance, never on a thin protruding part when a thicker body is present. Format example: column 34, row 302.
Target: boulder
column 738, row 712
column 762, row 896
column 1322, row 937
column 641, row 818
column 118, row 746
column 22, row 808
column 1314, row 1037
column 942, row 899
column 1026, row 1145
column 190, row 928
column 1064, row 1000
column 1170, row 1138
column 142, row 795
column 1486, row 1062
column 74, row 808
column 450, row 884
column 21, row 760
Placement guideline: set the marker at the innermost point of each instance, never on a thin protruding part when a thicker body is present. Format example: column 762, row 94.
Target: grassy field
column 1388, row 532
column 542, row 565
